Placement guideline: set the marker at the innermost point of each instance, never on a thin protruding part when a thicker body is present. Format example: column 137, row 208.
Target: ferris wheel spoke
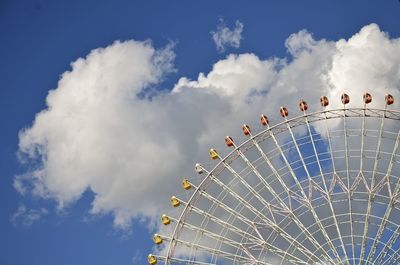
column 275, row 172
column 276, row 196
column 395, row 260
column 393, row 238
column 270, row 223
column 370, row 195
column 217, row 220
column 285, row 207
column 174, row 260
column 257, row 241
column 212, row 235
column 322, row 228
column 349, row 194
column 328, row 197
column 335, row 179
column 221, row 253
column 395, row 256
column 382, row 255
column 220, row 239
column 395, row 253
column 250, row 188
column 237, row 215
column 362, row 142
column 298, row 184
column 390, row 204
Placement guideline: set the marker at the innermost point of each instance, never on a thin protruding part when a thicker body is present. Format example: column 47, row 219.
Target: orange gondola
column 284, row 112
column 246, row 129
column 264, row 120
column 228, row 141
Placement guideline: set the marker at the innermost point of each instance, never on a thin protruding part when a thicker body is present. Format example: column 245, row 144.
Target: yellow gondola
column 186, row 184
column 213, row 154
column 152, row 259
column 157, row 239
column 175, row 202
column 165, row 219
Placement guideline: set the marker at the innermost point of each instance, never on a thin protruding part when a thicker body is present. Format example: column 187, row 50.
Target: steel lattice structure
column 320, row 188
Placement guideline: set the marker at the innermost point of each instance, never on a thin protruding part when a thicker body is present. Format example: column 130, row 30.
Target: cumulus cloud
column 299, row 42
column 100, row 133
column 225, row 37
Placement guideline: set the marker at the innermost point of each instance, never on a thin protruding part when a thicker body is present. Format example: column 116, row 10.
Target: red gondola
column 389, row 99
column 324, row 101
column 345, row 98
column 367, row 98
column 303, row 105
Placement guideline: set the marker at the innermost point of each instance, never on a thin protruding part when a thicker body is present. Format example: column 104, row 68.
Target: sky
column 106, row 105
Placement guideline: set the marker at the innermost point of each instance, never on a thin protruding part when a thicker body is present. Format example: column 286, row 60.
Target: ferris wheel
column 319, row 188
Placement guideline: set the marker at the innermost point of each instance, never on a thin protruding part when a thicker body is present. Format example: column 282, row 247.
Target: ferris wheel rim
column 353, row 112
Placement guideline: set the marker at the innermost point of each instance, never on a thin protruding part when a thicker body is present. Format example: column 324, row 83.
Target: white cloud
column 27, row 217
column 299, row 42
column 224, row 36
column 97, row 135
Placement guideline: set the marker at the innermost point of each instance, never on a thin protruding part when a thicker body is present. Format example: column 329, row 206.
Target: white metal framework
column 320, row 188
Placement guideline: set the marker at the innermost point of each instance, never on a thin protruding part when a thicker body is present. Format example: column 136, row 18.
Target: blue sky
column 41, row 38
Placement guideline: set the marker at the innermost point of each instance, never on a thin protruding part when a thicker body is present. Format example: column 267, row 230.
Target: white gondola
column 198, row 168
